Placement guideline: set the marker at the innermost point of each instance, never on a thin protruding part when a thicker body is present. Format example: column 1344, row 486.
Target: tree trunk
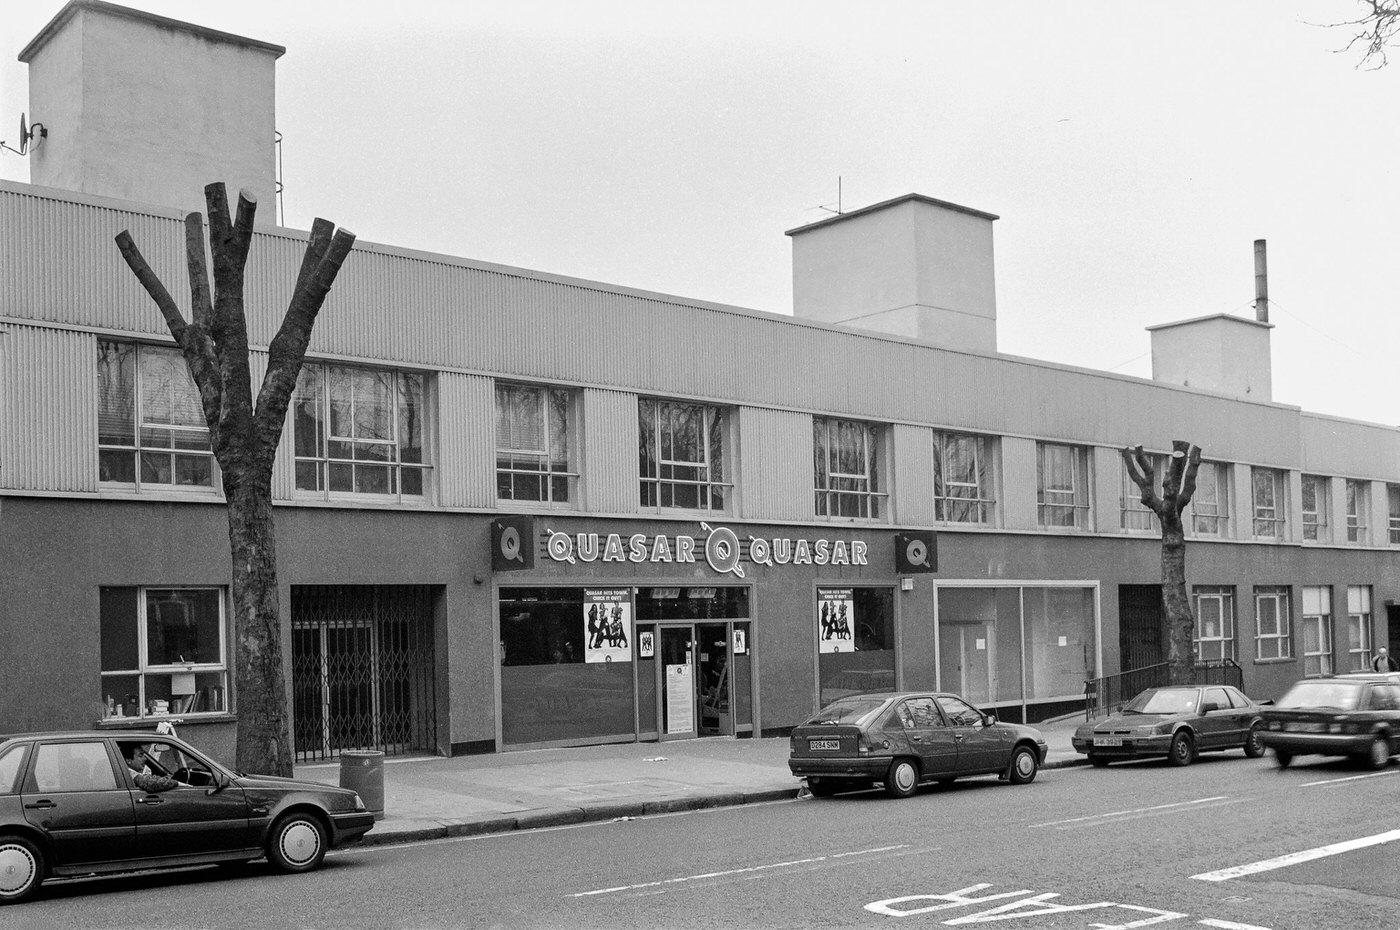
column 264, row 743
column 1176, row 604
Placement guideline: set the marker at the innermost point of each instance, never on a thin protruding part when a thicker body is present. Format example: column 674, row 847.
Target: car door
column 72, row 794
column 981, row 748
column 928, row 736
column 193, row 818
column 1219, row 721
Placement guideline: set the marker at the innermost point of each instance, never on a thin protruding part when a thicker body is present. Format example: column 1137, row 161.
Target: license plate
column 1307, row 727
column 817, row 745
column 1108, row 741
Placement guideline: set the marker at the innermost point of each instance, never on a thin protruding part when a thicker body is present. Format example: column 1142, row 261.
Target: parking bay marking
column 1306, row 855
column 731, row 872
column 1132, row 813
column 1338, row 781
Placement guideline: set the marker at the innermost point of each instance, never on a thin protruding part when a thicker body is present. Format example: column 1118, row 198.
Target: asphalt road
column 1227, row 843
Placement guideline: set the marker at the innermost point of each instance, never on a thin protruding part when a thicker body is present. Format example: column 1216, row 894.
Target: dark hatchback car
column 1349, row 715
column 1179, row 722
column 70, row 805
column 902, row 740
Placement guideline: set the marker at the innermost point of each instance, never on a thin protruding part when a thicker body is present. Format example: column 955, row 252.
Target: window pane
column 182, row 627
column 116, row 394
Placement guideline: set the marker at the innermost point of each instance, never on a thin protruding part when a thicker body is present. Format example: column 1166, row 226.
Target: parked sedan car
column 1178, row 722
column 84, row 803
column 904, row 739
column 1349, row 715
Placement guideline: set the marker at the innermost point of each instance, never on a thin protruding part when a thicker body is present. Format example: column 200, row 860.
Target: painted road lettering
column 1036, row 905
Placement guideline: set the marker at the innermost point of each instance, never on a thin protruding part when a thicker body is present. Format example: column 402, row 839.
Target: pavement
column 431, row 797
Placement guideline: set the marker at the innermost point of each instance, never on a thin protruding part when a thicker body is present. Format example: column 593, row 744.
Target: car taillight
column 863, row 744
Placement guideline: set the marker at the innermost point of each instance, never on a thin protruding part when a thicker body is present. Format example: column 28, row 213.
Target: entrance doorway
column 704, row 686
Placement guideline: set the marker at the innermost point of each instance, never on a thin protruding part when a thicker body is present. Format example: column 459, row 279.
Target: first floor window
column 1135, row 514
column 962, row 478
column 532, row 444
column 1317, row 631
column 1273, row 633
column 1359, row 627
column 1210, row 505
column 359, row 431
column 1062, row 474
column 1215, row 623
column 1358, row 502
column 1315, row 507
column 1392, row 492
column 847, row 467
column 682, row 455
column 163, row 651
column 1268, row 490
column 151, row 430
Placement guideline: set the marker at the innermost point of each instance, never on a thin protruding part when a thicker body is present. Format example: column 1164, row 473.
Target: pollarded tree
column 1178, row 486
column 1377, row 28
column 244, row 433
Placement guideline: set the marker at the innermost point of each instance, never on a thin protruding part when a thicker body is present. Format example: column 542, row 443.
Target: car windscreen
column 1163, row 701
column 1338, row 695
column 851, row 710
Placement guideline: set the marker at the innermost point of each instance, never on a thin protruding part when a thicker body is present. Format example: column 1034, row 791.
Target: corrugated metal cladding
column 465, row 472
column 911, row 462
column 610, row 462
column 48, row 409
column 775, row 464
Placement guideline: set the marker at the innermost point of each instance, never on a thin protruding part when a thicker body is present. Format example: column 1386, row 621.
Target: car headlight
column 1157, row 729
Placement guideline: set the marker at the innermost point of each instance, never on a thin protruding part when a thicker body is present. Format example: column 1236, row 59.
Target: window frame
column 1317, row 611
column 1074, row 500
column 716, row 441
column 1217, row 506
column 1228, row 646
column 1132, row 512
column 1360, row 633
column 980, row 505
column 1271, row 516
column 1281, row 638
column 1315, row 523
column 864, row 492
column 140, row 423
column 554, row 469
column 1392, row 492
column 1358, row 502
column 146, row 669
column 395, row 463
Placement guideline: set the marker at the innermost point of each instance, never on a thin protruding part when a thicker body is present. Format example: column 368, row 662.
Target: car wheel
column 297, row 843
column 1183, row 750
column 1379, row 755
column 903, row 779
column 1283, row 757
column 21, row 869
column 1024, row 765
column 1098, row 762
column 1254, row 742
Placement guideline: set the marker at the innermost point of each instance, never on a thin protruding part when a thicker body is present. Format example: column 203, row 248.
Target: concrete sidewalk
column 432, row 797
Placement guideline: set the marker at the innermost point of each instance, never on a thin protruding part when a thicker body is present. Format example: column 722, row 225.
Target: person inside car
column 148, row 780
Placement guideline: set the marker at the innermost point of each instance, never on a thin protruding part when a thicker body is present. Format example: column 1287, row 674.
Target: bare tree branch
column 201, row 301
column 1376, row 29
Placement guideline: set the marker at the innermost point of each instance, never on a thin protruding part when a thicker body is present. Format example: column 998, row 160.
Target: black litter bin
column 362, row 770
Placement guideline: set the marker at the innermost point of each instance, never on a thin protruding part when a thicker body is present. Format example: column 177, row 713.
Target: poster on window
column 836, row 617
column 607, row 625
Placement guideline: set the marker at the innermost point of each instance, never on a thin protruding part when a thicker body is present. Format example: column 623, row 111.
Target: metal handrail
column 1107, row 694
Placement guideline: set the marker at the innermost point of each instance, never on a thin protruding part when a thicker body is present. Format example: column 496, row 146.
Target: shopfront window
column 1007, row 646
column 163, row 651
column 855, row 641
column 566, row 664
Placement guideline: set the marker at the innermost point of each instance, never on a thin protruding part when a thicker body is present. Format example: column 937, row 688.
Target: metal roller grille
column 363, row 669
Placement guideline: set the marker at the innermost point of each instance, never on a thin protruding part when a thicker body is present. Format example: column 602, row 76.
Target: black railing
column 1107, row 694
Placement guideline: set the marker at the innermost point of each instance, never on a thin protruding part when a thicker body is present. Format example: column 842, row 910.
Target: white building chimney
column 912, row 266
column 144, row 108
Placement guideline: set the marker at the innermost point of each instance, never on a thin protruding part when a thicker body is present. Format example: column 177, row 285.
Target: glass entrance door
column 678, row 682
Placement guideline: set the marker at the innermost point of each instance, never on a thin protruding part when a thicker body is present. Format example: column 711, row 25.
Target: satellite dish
column 26, row 135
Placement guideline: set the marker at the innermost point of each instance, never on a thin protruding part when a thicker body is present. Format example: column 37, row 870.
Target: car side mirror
column 1209, row 706
column 220, row 783
column 988, row 719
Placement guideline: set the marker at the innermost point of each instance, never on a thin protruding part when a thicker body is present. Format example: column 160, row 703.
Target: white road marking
column 1338, row 781
column 1230, row 925
column 728, row 872
column 1306, row 855
column 1140, row 810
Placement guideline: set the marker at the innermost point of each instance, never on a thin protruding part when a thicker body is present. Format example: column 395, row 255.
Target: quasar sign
column 721, row 548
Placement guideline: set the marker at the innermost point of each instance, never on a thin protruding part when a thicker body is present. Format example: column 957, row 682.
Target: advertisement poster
column 680, row 699
column 646, row 645
column 836, row 617
column 607, row 626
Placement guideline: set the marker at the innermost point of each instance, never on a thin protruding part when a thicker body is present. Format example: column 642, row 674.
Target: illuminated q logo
column 510, row 545
column 722, row 550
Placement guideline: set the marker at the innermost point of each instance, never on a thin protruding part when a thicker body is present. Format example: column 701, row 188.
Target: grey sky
column 1133, row 152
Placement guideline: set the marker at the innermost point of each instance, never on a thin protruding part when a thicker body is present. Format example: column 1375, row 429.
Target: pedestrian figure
column 1383, row 662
